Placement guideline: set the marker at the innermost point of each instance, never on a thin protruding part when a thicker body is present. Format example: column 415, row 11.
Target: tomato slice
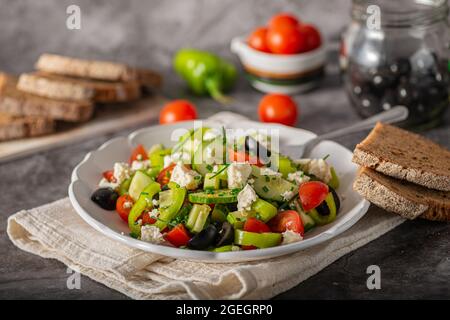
column 146, row 219
column 178, row 236
column 312, row 193
column 139, row 154
column 248, row 247
column 255, row 225
column 164, row 176
column 287, row 220
column 109, row 175
column 123, row 206
column 242, row 156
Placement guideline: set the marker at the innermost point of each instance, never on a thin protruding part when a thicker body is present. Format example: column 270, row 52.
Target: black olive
column 165, row 187
column 225, row 235
column 336, row 199
column 405, row 94
column 381, row 80
column 251, row 144
column 400, row 67
column 105, row 197
column 204, row 239
column 323, row 209
column 368, row 105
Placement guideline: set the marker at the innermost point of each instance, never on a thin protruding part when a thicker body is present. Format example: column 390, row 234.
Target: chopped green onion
column 326, row 157
column 220, row 171
column 265, row 189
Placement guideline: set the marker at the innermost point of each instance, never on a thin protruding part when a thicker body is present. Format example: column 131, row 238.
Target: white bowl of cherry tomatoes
column 286, row 56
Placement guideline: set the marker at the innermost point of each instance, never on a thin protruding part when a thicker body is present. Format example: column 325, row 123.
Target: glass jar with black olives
column 397, row 53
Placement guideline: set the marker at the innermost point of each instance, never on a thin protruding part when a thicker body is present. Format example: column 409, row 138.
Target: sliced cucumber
column 197, row 217
column 285, row 166
column 271, row 187
column 165, row 198
column 264, row 209
column 125, row 186
column 211, row 181
column 138, row 183
column 308, row 222
column 154, row 148
column 198, row 163
column 234, row 221
column 216, row 196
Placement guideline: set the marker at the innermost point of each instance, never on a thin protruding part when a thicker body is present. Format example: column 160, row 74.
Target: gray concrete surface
column 414, row 258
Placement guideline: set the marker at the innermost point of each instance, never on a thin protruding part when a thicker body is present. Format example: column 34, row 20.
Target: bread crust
column 18, row 103
column 404, row 155
column 92, row 69
column 59, row 87
column 22, row 127
column 406, row 199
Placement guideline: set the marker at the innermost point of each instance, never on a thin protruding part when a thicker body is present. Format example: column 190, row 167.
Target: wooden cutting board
column 107, row 119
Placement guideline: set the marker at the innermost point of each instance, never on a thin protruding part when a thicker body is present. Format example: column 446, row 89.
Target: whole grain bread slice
column 12, row 127
column 19, row 103
column 75, row 89
column 404, row 155
column 92, row 69
column 97, row 70
column 404, row 198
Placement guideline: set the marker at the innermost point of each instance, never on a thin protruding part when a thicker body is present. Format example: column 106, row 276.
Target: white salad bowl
column 87, row 174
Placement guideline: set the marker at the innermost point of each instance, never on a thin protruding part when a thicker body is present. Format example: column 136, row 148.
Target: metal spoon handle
column 393, row 115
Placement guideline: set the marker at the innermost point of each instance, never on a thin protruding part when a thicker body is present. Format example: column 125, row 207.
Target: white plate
column 88, row 173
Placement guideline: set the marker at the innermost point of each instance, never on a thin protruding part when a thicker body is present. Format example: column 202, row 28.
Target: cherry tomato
column 312, row 37
column 138, row 153
column 109, row 175
column 278, row 108
column 287, row 220
column 242, row 156
column 312, row 193
column 177, row 110
column 123, row 206
column 255, row 225
column 284, row 20
column 284, row 40
column 178, row 236
column 257, row 39
column 164, row 176
column 146, row 219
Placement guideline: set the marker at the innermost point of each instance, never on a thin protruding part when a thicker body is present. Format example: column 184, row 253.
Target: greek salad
column 210, row 193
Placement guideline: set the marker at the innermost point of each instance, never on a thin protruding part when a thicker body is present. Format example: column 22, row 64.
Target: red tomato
column 255, row 225
column 178, row 236
column 278, row 108
column 109, row 175
column 283, row 20
column 312, row 37
column 164, row 176
column 138, row 153
column 257, row 39
column 146, row 219
column 122, row 209
column 177, row 110
column 248, row 247
column 284, row 40
column 312, row 193
column 242, row 156
column 287, row 220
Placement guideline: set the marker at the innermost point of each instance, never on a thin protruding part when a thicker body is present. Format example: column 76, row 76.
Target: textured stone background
column 414, row 258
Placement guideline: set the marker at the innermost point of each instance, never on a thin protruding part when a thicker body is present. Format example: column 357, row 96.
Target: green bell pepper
column 144, row 202
column 205, row 73
column 259, row 240
column 169, row 213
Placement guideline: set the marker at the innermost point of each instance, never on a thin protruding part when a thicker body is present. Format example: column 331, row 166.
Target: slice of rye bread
column 97, row 70
column 12, row 127
column 405, row 155
column 402, row 197
column 19, row 103
column 75, row 89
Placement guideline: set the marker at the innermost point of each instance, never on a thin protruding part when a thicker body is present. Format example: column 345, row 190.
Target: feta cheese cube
column 245, row 198
column 122, row 171
column 288, row 195
column 238, row 174
column 298, row 177
column 151, row 234
column 140, row 165
column 106, row 184
column 185, row 177
column 269, row 172
column 167, row 161
column 290, row 236
column 316, row 167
